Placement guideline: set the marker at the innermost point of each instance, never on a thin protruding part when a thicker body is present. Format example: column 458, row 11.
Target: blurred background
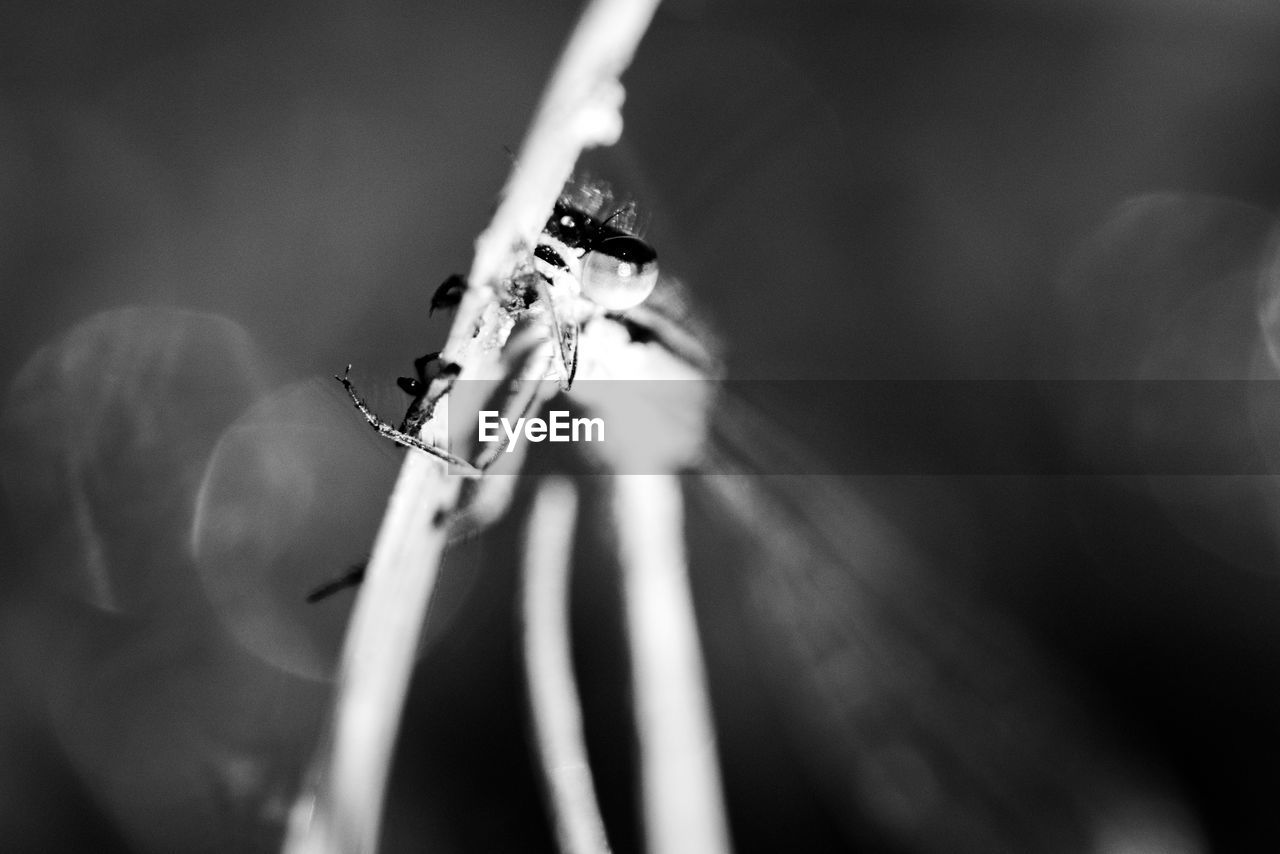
column 206, row 209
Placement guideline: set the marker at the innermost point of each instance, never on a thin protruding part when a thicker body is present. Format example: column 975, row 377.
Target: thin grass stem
column 680, row 776
column 553, row 691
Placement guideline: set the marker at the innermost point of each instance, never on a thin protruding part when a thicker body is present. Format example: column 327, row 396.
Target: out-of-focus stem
column 340, row 809
column 553, row 692
column 680, row 777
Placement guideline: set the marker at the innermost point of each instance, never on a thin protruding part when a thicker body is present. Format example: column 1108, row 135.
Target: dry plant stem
column 340, row 808
column 553, row 693
column 680, row 777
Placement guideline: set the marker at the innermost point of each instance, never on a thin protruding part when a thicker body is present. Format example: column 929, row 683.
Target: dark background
column 260, row 194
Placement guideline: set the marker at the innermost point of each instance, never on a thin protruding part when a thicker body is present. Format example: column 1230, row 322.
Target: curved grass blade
column 548, row 662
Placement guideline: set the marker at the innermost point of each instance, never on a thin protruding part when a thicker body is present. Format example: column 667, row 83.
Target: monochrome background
column 206, row 209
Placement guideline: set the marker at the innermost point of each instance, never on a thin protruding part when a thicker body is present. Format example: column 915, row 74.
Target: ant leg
column 398, row 436
column 566, row 337
column 569, row 353
column 449, row 294
column 415, row 386
column 351, row 578
column 422, row 363
column 426, row 393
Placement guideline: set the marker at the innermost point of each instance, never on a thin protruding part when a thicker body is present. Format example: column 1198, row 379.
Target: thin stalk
column 553, row 691
column 680, row 776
